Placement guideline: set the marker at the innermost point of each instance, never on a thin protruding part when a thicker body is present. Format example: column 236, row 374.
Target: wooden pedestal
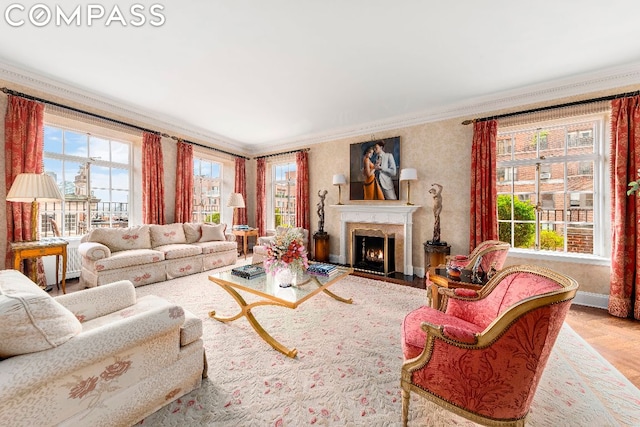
column 435, row 255
column 321, row 253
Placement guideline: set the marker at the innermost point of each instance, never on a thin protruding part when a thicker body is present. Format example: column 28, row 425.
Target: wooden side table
column 39, row 248
column 245, row 236
column 438, row 281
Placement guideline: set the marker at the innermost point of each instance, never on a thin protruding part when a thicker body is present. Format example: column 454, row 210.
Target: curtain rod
column 283, row 153
column 552, row 107
column 98, row 116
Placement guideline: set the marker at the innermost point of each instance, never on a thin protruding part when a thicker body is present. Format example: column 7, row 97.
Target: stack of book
column 248, row 271
column 325, row 270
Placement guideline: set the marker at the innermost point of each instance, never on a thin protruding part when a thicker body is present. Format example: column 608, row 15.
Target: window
column 94, row 175
column 284, row 194
column 207, row 183
column 549, row 205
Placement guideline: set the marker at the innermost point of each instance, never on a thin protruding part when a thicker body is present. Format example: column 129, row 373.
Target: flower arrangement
column 287, row 251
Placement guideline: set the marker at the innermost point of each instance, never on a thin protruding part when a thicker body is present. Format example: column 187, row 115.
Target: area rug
column 347, row 372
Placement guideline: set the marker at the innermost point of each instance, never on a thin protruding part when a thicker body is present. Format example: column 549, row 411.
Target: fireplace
column 373, row 251
column 382, row 216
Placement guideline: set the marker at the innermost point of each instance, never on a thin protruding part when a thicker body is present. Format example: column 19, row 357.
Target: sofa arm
column 96, row 302
column 265, row 240
column 90, row 347
column 94, row 251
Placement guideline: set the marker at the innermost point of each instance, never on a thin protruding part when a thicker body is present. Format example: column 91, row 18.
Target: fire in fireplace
column 373, row 251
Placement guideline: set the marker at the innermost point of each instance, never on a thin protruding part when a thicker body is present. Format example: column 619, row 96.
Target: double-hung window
column 93, row 173
column 283, row 194
column 548, row 183
column 207, row 184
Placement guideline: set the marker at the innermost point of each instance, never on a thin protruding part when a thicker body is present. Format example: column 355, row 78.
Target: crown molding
column 51, row 87
column 563, row 88
column 611, row 78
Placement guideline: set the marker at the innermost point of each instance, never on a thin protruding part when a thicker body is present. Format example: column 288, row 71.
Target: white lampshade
column 339, row 179
column 408, row 174
column 235, row 200
column 31, row 187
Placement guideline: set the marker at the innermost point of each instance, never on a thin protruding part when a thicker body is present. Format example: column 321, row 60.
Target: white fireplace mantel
column 378, row 214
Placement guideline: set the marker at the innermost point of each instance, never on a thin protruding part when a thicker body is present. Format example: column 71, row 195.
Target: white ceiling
column 254, row 75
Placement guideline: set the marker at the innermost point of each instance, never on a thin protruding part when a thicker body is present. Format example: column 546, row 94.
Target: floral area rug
column 347, row 372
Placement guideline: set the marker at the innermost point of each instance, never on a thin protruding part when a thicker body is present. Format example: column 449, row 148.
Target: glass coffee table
column 270, row 293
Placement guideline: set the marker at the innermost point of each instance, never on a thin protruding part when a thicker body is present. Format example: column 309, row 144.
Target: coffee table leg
column 334, row 296
column 245, row 310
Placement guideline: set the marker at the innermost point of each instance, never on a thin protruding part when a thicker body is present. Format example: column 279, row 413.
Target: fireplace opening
column 373, row 251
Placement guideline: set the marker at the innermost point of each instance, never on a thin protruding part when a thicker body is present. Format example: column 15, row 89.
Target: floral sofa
column 97, row 357
column 154, row 253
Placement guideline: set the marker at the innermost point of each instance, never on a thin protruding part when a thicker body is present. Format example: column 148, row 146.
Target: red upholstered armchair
column 482, row 356
column 490, row 255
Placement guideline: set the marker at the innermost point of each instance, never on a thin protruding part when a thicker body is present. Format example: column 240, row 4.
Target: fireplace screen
column 373, row 251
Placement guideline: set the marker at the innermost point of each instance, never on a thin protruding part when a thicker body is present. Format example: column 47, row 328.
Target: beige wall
column 440, row 152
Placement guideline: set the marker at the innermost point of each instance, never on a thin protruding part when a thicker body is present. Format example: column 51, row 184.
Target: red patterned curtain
column 261, row 196
column 624, row 298
column 152, row 180
column 184, row 182
column 24, row 139
column 484, row 221
column 303, row 210
column 240, row 214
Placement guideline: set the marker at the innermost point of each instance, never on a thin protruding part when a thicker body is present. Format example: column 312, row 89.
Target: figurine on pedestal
column 322, row 194
column 321, row 237
column 437, row 209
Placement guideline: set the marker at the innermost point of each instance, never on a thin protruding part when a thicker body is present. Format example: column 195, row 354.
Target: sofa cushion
column 179, row 251
column 192, row 231
column 128, row 258
column 121, row 239
column 212, row 247
column 169, row 234
column 213, row 232
column 31, row 319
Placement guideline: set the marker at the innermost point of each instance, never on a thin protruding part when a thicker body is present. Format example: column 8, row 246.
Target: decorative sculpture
column 322, row 194
column 437, row 209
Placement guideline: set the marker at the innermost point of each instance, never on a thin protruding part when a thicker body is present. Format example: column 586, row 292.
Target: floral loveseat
column 154, row 253
column 97, row 357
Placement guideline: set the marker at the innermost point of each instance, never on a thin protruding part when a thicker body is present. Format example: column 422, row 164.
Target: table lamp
column 235, row 201
column 339, row 180
column 34, row 188
column 408, row 174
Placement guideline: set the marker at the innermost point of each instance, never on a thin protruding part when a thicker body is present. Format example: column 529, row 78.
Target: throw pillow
column 192, row 231
column 31, row 319
column 213, row 232
column 169, row 234
column 121, row 239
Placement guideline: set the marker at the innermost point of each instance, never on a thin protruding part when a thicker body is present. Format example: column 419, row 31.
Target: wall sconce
column 408, row 175
column 339, row 180
column 34, row 188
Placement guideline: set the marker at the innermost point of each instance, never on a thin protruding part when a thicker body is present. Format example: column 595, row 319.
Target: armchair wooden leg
column 405, row 407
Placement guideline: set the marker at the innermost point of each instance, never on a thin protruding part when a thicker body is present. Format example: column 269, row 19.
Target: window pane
column 52, row 140
column 99, row 148
column 119, row 152
column 75, row 144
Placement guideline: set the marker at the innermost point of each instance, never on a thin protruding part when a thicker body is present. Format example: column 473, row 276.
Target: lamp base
column 34, row 221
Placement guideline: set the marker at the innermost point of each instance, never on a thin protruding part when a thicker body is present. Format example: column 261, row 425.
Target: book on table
column 248, row 271
column 322, row 269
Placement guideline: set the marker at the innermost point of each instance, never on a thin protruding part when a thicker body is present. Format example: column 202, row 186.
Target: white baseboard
column 590, row 299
